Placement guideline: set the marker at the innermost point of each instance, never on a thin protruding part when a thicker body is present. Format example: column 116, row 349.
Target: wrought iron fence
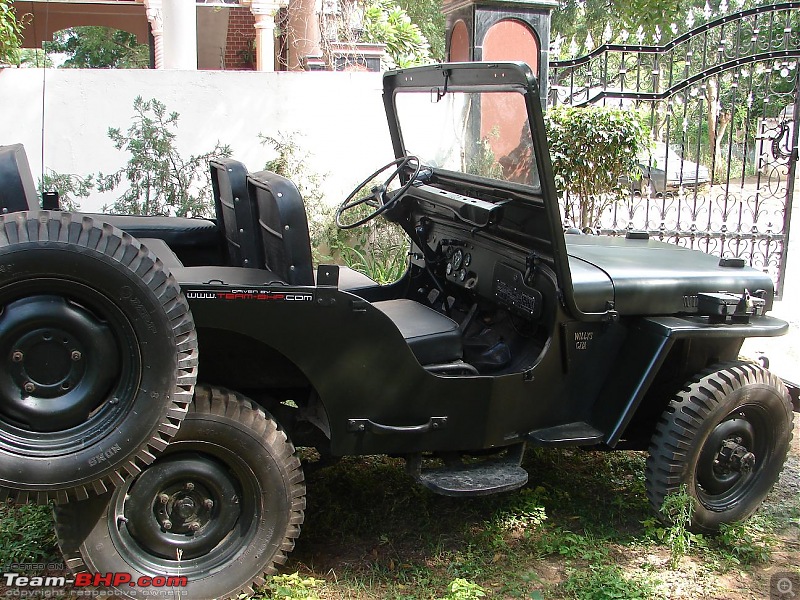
column 722, row 106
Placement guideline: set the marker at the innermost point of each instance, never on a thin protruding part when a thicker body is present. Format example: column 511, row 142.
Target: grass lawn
column 581, row 528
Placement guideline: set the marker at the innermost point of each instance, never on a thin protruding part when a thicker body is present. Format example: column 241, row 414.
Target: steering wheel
column 378, row 196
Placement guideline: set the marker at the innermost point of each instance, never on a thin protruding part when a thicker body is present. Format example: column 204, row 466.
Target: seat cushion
column 433, row 337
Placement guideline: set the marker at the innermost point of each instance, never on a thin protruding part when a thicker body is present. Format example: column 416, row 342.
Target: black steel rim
column 193, row 511
column 733, row 458
column 71, row 366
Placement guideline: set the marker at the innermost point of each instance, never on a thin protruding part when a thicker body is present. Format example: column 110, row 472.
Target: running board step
column 489, row 476
column 569, row 434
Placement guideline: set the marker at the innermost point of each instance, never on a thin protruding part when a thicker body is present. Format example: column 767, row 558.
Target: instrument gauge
column 458, row 258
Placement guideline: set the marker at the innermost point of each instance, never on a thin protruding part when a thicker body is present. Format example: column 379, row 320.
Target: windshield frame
column 473, row 77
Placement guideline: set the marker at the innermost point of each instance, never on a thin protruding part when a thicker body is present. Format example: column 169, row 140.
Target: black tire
column 233, row 454
column 99, row 356
column 725, row 437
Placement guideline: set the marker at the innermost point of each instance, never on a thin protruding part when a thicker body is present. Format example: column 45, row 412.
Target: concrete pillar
column 179, row 34
column 304, row 32
column 153, row 11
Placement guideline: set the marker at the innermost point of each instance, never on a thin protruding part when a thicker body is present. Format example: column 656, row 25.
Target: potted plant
column 247, row 55
column 10, row 33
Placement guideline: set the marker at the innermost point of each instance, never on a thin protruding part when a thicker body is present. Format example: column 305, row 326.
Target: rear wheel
column 98, row 352
column 725, row 438
column 222, row 507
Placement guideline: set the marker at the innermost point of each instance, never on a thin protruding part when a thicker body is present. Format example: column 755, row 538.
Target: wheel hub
column 59, row 362
column 733, row 456
column 185, row 502
column 727, row 462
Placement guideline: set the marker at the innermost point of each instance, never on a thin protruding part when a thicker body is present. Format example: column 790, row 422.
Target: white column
column 153, row 11
column 179, row 34
column 265, row 12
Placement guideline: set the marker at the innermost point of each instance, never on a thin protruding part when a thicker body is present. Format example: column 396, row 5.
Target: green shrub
column 160, row 181
column 593, row 150
column 10, row 33
column 387, row 23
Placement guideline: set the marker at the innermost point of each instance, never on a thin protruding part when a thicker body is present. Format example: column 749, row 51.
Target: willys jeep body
column 159, row 372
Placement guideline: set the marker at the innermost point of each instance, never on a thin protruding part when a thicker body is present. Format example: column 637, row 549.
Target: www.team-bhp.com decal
column 258, row 295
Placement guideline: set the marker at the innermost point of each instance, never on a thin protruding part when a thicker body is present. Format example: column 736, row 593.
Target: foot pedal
column 569, row 434
column 489, row 476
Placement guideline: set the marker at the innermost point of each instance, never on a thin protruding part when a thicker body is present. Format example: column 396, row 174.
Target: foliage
column 744, row 543
column 387, row 23
column 605, row 582
column 462, row 589
column 655, row 21
column 26, row 534
column 593, row 149
column 69, row 186
column 428, row 16
column 290, row 160
column 676, row 510
column 34, row 58
column 10, row 33
column 378, row 249
column 160, row 181
column 292, row 587
column 92, row 47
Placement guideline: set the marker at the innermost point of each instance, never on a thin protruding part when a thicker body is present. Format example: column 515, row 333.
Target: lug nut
column 30, row 387
column 189, row 486
column 208, row 503
column 194, row 526
column 163, row 498
column 17, row 356
column 167, row 524
column 76, row 356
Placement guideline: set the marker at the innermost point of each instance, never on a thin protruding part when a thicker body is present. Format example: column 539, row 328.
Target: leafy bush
column 677, row 510
column 379, row 249
column 593, row 150
column 463, row 589
column 69, row 186
column 160, row 180
column 387, row 23
column 10, row 32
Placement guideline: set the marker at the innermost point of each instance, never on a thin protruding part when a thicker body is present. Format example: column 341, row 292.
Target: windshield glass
column 480, row 133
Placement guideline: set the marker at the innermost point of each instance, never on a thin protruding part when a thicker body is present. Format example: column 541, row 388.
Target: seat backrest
column 284, row 227
column 17, row 189
column 237, row 218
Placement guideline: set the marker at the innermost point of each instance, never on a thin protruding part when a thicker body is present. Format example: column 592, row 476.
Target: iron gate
column 722, row 105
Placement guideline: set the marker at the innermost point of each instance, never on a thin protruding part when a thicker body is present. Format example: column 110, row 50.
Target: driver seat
column 434, row 338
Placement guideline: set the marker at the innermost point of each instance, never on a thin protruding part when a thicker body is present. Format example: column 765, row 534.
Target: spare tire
column 99, row 356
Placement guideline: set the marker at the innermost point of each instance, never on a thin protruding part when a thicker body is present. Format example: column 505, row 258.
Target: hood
column 647, row 277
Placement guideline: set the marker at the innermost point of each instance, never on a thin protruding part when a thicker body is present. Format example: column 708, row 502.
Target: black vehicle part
column 99, row 356
column 482, row 478
column 725, row 437
column 379, row 196
column 222, row 507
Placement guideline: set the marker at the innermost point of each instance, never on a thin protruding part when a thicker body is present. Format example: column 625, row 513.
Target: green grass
column 581, row 529
column 26, row 535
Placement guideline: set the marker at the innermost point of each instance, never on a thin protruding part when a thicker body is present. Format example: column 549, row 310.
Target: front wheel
column 724, row 437
column 221, row 508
